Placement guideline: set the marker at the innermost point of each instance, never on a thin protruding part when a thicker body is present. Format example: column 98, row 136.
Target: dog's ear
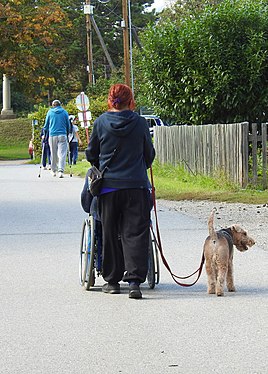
column 236, row 228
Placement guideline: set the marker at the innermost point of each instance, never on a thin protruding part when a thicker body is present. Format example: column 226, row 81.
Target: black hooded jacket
column 129, row 133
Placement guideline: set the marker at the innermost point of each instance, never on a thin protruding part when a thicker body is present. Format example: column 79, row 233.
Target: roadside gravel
column 253, row 218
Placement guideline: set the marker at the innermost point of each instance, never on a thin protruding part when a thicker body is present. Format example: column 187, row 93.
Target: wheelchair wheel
column 153, row 274
column 82, row 254
column 87, row 253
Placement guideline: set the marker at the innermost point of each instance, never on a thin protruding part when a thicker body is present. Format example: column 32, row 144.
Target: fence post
column 245, row 153
column 264, row 155
column 254, row 154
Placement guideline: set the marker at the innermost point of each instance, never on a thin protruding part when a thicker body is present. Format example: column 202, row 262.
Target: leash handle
column 159, row 245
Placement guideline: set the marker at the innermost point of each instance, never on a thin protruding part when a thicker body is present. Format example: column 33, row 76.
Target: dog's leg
column 222, row 270
column 230, row 276
column 211, row 277
column 209, row 251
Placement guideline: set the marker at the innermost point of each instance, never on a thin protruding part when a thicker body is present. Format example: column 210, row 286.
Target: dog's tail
column 211, row 230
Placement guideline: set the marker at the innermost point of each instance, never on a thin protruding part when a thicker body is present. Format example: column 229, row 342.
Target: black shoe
column 134, row 291
column 111, row 288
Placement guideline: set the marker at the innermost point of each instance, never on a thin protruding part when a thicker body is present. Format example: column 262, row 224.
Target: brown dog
column 218, row 252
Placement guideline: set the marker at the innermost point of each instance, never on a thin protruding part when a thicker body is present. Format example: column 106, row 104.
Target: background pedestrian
column 57, row 125
column 74, row 140
column 30, row 149
column 45, row 150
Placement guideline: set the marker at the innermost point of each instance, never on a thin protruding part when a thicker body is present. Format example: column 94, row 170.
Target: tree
column 31, row 49
column 210, row 67
column 186, row 8
column 43, row 44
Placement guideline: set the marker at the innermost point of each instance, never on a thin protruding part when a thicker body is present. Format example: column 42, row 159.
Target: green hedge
column 211, row 67
column 15, row 131
column 15, row 135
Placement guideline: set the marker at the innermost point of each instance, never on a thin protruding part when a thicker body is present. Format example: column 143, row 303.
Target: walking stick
column 42, row 155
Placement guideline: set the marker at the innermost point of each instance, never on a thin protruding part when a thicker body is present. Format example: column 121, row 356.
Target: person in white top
column 74, row 140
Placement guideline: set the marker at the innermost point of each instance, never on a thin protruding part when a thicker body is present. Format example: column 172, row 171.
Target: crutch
column 69, row 158
column 42, row 155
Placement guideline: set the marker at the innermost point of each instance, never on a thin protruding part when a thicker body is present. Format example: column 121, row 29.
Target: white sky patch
column 161, row 4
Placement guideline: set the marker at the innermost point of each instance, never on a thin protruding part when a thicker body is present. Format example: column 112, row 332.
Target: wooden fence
column 235, row 149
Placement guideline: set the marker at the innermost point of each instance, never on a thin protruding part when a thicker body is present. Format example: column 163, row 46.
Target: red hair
column 120, row 96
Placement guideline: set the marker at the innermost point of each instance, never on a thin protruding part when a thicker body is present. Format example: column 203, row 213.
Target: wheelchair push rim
column 87, row 252
column 153, row 274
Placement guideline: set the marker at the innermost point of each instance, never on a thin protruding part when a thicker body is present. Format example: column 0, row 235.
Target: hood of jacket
column 119, row 123
column 57, row 110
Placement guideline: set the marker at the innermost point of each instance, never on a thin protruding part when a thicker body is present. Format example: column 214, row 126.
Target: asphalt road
column 50, row 325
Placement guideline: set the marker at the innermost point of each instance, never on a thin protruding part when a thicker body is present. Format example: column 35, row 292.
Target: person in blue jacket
column 124, row 201
column 57, row 125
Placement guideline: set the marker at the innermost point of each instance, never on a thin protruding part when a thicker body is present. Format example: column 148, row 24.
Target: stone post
column 7, row 111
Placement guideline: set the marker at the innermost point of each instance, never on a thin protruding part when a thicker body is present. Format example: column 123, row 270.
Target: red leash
column 159, row 245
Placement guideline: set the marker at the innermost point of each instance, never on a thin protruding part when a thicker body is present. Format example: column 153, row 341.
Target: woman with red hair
column 121, row 144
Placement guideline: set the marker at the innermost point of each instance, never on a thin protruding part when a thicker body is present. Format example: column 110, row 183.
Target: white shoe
column 44, row 168
column 60, row 174
column 49, row 168
column 53, row 173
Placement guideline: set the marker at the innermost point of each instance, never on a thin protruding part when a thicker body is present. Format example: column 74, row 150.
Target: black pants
column 46, row 155
column 73, row 152
column 125, row 217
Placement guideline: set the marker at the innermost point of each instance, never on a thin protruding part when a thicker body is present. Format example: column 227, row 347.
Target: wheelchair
column 90, row 264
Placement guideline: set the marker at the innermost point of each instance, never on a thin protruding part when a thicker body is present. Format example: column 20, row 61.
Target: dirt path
column 252, row 217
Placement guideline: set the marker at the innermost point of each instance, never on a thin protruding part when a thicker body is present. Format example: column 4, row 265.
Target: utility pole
column 87, row 12
column 107, row 55
column 126, row 41
column 130, row 46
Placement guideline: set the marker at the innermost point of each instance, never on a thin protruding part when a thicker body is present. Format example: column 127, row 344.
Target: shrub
column 210, row 67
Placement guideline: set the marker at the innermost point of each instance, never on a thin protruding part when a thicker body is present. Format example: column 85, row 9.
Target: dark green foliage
column 209, row 68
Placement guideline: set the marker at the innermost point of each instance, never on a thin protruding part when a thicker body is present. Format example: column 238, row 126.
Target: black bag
column 95, row 179
column 95, row 176
column 93, row 183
